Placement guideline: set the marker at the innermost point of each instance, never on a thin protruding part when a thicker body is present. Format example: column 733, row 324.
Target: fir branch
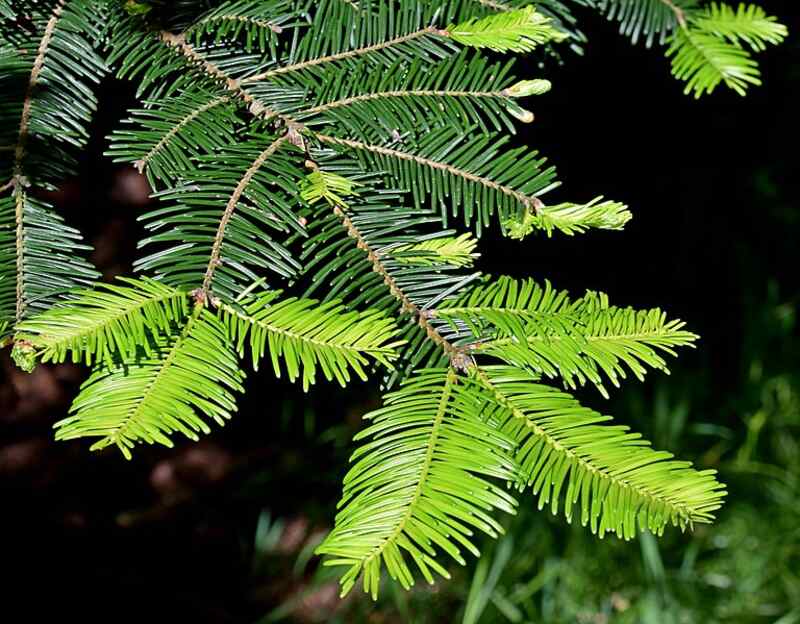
column 531, row 202
column 237, row 204
column 233, row 201
column 142, row 163
column 422, row 476
column 111, row 320
column 38, row 64
column 404, row 494
column 367, row 97
column 519, row 30
column 242, row 19
column 134, row 400
column 703, row 61
column 19, row 153
column 619, row 479
column 349, row 54
column 454, row 251
column 38, row 262
column 749, row 24
column 308, row 335
column 118, row 434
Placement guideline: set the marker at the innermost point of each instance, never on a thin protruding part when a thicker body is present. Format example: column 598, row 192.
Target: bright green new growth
column 310, row 159
column 307, row 335
column 707, row 44
column 570, row 218
column 456, row 251
column 422, row 482
column 512, row 31
column 614, row 479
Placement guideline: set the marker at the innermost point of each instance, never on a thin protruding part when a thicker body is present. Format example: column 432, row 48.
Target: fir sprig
column 309, row 160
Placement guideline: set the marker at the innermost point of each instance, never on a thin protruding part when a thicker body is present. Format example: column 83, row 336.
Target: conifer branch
column 367, row 97
column 532, row 203
column 331, row 58
column 412, row 146
column 118, row 433
column 430, row 447
column 295, row 334
column 142, row 163
column 38, row 63
column 107, row 322
column 239, row 18
column 683, row 510
column 19, row 153
column 230, row 207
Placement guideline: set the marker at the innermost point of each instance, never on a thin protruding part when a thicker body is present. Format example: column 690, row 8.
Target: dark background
column 713, row 186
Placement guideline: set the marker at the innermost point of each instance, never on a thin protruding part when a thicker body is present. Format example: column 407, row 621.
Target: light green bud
column 524, row 88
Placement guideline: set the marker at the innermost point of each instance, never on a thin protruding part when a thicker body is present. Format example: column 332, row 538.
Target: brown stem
column 19, row 197
column 179, row 43
column 395, row 94
column 19, row 154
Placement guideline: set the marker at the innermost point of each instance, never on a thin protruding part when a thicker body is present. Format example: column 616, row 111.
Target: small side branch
column 424, row 472
column 19, row 154
column 168, row 361
column 531, row 203
column 541, row 431
column 38, row 64
column 214, row 261
column 430, row 30
column 142, row 163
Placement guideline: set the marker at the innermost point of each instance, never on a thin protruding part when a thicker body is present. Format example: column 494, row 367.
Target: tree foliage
column 708, row 44
column 311, row 161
